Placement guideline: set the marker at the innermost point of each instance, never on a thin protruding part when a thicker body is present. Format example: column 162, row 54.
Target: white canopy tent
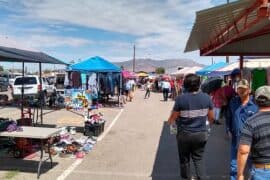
column 186, row 70
column 248, row 63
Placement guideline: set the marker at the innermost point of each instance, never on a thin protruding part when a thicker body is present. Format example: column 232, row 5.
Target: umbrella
column 211, row 84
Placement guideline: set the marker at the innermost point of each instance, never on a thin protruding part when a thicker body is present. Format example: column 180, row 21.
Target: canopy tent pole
column 241, row 65
column 22, row 91
column 42, row 95
column 119, row 90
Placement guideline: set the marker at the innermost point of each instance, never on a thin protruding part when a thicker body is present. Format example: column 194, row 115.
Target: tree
column 1, row 68
column 160, row 70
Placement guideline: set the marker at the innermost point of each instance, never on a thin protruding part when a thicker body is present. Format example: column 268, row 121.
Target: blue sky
column 72, row 30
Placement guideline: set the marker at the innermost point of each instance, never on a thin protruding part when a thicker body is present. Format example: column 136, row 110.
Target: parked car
column 32, row 87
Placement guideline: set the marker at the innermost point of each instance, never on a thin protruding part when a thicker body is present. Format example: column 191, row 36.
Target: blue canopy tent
column 95, row 64
column 100, row 66
column 208, row 69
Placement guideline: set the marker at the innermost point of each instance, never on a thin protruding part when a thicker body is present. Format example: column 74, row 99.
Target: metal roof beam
column 260, row 6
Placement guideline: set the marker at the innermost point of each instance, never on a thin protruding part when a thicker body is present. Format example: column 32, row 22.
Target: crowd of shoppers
column 247, row 122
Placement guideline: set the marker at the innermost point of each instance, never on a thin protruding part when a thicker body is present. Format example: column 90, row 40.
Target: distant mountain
column 150, row 65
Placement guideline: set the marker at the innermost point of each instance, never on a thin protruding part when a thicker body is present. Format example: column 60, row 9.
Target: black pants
column 165, row 94
column 191, row 144
column 147, row 93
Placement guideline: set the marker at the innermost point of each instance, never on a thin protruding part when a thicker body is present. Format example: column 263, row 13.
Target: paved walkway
column 140, row 147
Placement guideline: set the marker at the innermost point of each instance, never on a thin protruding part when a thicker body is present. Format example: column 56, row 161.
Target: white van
column 32, row 86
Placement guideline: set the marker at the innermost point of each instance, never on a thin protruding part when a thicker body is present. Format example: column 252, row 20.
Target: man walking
column 191, row 111
column 166, row 88
column 241, row 107
column 255, row 139
column 147, row 89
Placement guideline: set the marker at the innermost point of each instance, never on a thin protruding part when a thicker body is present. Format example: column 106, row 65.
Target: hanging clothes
column 268, row 76
column 247, row 74
column 259, row 78
column 92, row 84
column 66, row 81
column 76, row 79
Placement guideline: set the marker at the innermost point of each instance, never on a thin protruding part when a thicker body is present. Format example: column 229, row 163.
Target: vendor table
column 35, row 133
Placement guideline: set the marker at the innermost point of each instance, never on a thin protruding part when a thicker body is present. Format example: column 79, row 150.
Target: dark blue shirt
column 238, row 114
column 193, row 108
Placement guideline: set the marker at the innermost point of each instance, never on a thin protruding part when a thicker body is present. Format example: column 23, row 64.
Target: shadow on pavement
column 216, row 157
column 28, row 166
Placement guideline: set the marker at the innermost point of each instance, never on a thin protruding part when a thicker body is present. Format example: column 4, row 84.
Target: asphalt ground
column 138, row 146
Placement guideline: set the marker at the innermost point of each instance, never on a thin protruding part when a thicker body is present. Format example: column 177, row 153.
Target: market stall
column 245, row 33
column 88, row 84
column 208, row 69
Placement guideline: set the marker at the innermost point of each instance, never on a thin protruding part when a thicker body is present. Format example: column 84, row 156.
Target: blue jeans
column 233, row 172
column 260, row 174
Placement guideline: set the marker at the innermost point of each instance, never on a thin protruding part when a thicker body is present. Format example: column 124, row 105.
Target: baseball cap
column 243, row 83
column 263, row 91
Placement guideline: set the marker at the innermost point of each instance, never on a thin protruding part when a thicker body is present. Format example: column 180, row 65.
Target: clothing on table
column 258, row 78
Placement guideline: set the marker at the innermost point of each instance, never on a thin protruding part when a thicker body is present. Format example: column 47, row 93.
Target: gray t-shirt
column 256, row 133
column 193, row 108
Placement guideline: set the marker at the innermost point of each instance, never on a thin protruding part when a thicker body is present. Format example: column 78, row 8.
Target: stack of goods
column 67, row 146
column 9, row 125
column 94, row 125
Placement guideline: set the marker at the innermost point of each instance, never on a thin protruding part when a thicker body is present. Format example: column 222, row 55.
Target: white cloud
column 38, row 42
column 136, row 17
column 161, row 26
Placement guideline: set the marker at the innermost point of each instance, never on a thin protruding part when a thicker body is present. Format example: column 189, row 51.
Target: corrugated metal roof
column 212, row 22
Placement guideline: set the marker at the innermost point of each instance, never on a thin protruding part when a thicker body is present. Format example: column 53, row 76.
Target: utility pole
column 227, row 57
column 134, row 51
column 212, row 60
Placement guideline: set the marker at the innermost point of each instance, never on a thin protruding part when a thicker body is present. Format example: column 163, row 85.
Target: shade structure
column 186, row 70
column 95, row 64
column 248, row 63
column 128, row 74
column 208, row 69
column 18, row 55
column 142, row 74
column 239, row 28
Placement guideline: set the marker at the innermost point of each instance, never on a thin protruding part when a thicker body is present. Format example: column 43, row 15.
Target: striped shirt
column 193, row 110
column 256, row 133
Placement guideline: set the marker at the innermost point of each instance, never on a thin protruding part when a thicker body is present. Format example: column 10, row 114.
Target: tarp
column 248, row 63
column 128, row 74
column 186, row 70
column 18, row 55
column 143, row 74
column 204, row 71
column 95, row 64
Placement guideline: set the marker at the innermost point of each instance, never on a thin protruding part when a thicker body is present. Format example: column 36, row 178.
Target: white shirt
column 166, row 85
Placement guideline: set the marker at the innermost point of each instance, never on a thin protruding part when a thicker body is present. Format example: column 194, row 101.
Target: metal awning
column 18, row 55
column 237, row 28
